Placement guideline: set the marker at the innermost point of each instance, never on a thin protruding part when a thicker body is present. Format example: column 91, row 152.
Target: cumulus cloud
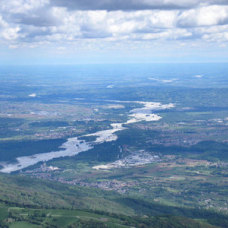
column 22, row 6
column 53, row 21
column 204, row 16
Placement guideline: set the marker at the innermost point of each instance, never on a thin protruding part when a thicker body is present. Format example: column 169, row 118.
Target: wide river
column 74, row 146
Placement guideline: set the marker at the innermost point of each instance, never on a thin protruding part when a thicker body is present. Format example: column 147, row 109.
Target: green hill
column 26, row 202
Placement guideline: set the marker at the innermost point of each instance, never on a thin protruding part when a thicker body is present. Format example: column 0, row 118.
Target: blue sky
column 88, row 31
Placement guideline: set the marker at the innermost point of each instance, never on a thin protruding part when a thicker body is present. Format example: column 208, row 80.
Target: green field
column 48, row 204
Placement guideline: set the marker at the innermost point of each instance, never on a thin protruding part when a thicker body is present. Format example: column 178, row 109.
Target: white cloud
column 216, row 37
column 204, row 16
column 41, row 21
column 3, row 23
column 21, row 6
column 10, row 33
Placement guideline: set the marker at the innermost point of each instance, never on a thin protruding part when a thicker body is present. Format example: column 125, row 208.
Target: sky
column 113, row 31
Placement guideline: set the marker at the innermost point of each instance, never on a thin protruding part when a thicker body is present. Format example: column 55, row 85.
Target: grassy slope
column 30, row 201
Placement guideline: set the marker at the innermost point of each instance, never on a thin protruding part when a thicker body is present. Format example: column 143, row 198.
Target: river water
column 74, row 146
